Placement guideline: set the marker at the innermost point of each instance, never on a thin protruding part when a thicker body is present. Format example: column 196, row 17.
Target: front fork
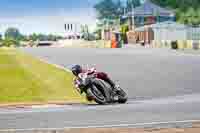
column 82, row 89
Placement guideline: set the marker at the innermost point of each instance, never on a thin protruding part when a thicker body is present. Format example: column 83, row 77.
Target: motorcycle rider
column 77, row 69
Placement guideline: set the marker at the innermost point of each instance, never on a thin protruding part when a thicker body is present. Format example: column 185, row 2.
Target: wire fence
column 193, row 33
column 174, row 33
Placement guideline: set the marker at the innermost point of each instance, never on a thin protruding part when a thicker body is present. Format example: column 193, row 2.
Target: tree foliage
column 10, row 42
column 108, row 9
column 13, row 37
column 97, row 33
column 43, row 37
column 13, row 33
column 124, row 29
column 0, row 37
column 187, row 11
column 132, row 4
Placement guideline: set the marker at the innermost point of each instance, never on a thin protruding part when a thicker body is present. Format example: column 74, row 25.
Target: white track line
column 189, row 54
column 50, row 63
column 180, row 53
column 103, row 126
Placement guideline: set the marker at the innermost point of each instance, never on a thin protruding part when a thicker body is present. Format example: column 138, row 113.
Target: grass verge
column 25, row 79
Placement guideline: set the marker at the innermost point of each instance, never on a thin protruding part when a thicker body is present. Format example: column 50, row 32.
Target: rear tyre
column 122, row 96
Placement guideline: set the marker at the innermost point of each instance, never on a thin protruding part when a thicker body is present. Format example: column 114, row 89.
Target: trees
column 178, row 4
column 108, row 9
column 112, row 9
column 0, row 37
column 132, row 4
column 1, row 40
column 187, row 11
column 124, row 29
column 13, row 33
column 191, row 17
column 110, row 12
column 12, row 37
column 97, row 33
column 33, row 37
column 44, row 37
column 51, row 37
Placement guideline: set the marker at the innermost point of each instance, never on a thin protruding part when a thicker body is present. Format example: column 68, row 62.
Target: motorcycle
column 98, row 90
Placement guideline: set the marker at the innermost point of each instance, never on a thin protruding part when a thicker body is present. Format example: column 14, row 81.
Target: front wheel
column 97, row 92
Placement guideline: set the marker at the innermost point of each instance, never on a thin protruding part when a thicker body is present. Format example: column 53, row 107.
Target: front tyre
column 99, row 91
column 98, row 97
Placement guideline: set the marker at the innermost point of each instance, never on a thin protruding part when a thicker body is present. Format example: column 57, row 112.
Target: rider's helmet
column 76, row 69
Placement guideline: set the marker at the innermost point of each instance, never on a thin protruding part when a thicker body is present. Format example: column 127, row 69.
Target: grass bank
column 25, row 79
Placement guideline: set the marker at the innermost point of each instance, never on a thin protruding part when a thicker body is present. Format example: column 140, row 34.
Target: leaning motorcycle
column 98, row 90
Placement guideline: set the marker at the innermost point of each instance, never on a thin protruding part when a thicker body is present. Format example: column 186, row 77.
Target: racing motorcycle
column 98, row 90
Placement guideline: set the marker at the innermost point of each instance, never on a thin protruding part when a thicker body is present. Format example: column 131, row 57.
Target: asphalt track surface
column 163, row 89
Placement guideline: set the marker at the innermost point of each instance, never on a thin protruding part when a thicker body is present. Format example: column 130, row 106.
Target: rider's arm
column 91, row 71
column 77, row 86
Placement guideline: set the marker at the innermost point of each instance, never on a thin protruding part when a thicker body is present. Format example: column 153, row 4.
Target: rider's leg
column 105, row 77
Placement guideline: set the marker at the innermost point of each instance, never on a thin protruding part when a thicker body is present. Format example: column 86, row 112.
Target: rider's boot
column 115, row 88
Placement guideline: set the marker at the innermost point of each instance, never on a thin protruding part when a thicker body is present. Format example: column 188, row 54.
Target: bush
column 97, row 34
column 89, row 37
column 124, row 29
column 8, row 42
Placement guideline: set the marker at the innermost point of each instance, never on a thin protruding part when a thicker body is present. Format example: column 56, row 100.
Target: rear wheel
column 122, row 96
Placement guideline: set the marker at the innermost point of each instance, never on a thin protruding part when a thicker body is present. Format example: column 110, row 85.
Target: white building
column 72, row 29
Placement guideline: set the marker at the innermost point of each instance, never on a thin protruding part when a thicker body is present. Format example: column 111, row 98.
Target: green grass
column 26, row 79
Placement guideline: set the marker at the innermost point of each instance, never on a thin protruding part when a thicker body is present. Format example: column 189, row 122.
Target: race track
column 144, row 73
column 163, row 89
